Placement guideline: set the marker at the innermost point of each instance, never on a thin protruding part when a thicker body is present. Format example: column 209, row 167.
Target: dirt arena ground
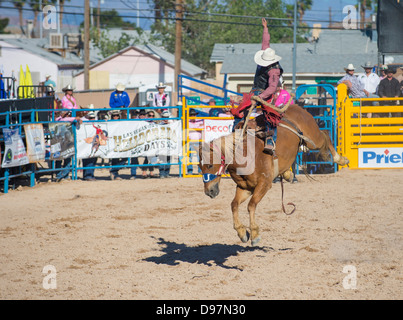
column 164, row 239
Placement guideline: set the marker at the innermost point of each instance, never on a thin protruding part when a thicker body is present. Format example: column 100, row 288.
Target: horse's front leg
column 257, row 195
column 240, row 196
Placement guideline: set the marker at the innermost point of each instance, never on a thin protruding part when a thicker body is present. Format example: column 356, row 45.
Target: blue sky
column 318, row 14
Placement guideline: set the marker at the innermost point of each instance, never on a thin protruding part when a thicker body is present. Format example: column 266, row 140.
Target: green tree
column 3, row 25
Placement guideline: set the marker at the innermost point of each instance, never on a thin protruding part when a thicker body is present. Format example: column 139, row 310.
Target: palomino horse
column 302, row 128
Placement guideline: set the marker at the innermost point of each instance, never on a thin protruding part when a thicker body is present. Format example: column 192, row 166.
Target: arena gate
column 370, row 136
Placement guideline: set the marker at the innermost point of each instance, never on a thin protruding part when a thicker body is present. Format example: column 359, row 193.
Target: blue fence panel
column 13, row 119
column 325, row 115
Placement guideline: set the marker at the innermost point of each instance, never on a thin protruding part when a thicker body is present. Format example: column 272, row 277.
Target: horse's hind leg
column 258, row 194
column 240, row 196
column 340, row 160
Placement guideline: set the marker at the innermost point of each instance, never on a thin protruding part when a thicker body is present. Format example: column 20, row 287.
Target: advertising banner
column 35, row 140
column 126, row 139
column 380, row 157
column 14, row 150
column 214, row 129
column 61, row 141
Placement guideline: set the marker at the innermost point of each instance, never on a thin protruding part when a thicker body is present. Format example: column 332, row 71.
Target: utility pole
column 294, row 51
column 99, row 19
column 178, row 47
column 87, row 45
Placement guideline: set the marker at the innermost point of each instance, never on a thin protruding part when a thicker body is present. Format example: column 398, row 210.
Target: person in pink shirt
column 267, row 76
column 194, row 137
column 68, row 102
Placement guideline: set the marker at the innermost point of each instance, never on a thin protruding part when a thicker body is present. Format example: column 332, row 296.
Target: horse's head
column 212, row 165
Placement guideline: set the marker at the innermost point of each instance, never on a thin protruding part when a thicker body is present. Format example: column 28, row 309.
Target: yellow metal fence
column 370, row 136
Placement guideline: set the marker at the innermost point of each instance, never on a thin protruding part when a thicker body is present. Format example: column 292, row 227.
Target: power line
column 194, row 20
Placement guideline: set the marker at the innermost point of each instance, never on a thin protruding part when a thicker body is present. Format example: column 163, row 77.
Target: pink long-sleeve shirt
column 274, row 74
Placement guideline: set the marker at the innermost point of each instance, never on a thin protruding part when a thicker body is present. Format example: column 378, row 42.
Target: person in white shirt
column 369, row 81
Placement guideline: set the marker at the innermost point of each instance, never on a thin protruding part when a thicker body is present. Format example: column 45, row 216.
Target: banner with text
column 214, row 129
column 380, row 157
column 126, row 139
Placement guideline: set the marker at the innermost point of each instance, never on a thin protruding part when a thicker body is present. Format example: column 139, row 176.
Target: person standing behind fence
column 119, row 98
column 389, row 87
column 164, row 169
column 49, row 82
column 68, row 102
column 117, row 162
column 89, row 174
column 369, row 80
column 161, row 99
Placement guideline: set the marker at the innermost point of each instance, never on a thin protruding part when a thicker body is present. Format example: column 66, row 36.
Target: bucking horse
column 241, row 154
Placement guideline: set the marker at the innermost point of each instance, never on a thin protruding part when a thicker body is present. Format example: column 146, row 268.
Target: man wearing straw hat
column 119, row 98
column 352, row 82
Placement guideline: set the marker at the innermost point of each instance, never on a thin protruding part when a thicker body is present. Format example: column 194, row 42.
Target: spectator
column 225, row 113
column 117, row 162
column 195, row 136
column 119, row 98
column 164, row 169
column 369, row 81
column 50, row 92
column 49, row 82
column 68, row 102
column 383, row 74
column 161, row 99
column 147, row 160
column 389, row 87
column 352, row 83
column 88, row 174
column 213, row 112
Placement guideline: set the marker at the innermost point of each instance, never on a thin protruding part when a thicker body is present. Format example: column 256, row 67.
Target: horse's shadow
column 209, row 255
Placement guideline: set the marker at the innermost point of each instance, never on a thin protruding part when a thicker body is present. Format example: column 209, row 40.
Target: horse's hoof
column 245, row 238
column 255, row 241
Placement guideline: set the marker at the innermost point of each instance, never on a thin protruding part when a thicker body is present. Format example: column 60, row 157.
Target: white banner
column 126, row 139
column 35, row 140
column 380, row 157
column 214, row 129
column 14, row 149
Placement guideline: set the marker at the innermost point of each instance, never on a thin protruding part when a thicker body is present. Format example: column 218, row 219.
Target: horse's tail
column 324, row 151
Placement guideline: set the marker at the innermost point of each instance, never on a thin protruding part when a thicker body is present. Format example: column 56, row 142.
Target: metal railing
column 32, row 171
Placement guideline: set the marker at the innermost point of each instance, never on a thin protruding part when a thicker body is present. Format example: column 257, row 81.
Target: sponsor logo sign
column 380, row 157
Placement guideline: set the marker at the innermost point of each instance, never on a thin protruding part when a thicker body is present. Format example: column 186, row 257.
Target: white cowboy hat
column 266, row 57
column 120, row 87
column 48, row 76
column 160, row 86
column 349, row 67
column 69, row 87
column 90, row 106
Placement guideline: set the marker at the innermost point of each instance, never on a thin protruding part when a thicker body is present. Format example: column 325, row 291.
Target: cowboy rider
column 267, row 76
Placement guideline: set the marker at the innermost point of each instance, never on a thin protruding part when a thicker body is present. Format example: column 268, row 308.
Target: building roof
column 160, row 54
column 39, row 47
column 334, row 50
